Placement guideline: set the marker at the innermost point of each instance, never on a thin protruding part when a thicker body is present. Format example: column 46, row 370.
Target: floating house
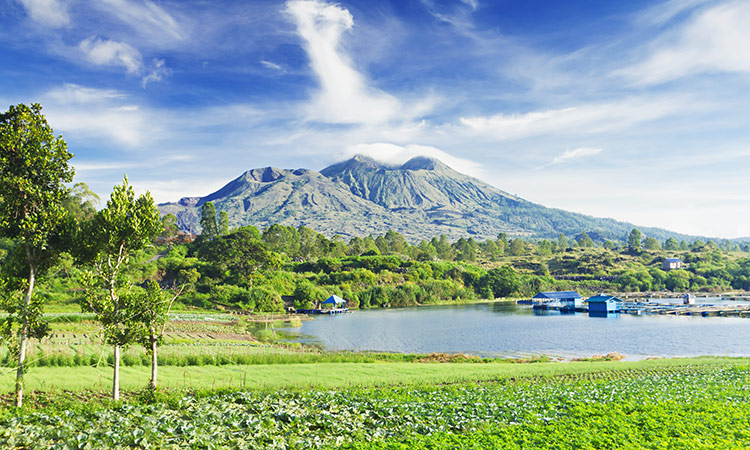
column 564, row 299
column 603, row 304
column 334, row 301
column 671, row 264
column 332, row 305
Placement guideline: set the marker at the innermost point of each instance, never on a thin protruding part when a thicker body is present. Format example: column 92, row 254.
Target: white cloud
column 96, row 113
column 147, row 18
column 587, row 118
column 112, row 53
column 272, row 66
column 473, row 4
column 397, row 154
column 72, row 93
column 575, row 154
column 344, row 96
column 52, row 13
column 158, row 72
column 713, row 40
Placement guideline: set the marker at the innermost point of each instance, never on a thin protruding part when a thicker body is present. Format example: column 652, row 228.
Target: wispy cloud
column 576, row 154
column 273, row 66
column 158, row 72
column 87, row 113
column 586, row 118
column 398, row 154
column 344, row 96
column 103, row 52
column 145, row 17
column 473, row 4
column 714, row 40
column 51, row 13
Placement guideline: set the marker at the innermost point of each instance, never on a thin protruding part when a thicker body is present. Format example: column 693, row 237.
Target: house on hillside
column 565, row 299
column 671, row 264
column 602, row 304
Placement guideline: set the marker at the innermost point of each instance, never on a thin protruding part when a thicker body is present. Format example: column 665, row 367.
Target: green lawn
column 665, row 404
column 327, row 375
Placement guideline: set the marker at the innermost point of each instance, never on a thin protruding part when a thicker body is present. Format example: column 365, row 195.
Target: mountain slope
column 420, row 199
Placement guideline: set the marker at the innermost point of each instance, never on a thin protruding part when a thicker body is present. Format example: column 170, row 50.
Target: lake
column 508, row 330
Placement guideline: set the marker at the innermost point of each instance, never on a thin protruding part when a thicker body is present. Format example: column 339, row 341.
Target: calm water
column 510, row 330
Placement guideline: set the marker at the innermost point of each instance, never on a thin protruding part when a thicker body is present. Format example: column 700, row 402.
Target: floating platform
column 643, row 308
column 329, row 311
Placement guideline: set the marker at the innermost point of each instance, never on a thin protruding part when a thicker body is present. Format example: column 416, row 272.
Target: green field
column 681, row 403
column 326, row 375
column 290, row 396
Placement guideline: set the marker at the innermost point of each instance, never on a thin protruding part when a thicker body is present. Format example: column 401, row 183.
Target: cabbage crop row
column 704, row 407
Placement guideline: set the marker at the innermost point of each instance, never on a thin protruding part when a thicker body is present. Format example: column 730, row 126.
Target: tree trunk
column 154, row 364
column 24, row 333
column 116, row 377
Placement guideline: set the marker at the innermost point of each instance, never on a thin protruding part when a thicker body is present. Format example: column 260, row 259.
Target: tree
column 239, row 254
column 585, row 241
column 634, row 239
column 651, row 244
column 209, row 227
column 671, row 244
column 562, row 242
column 517, row 247
column 154, row 305
column 81, row 202
column 501, row 281
column 33, row 168
column 223, row 223
column 106, row 243
column 169, row 225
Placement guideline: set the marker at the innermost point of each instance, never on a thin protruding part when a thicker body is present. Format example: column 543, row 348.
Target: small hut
column 603, row 304
column 334, row 302
column 569, row 299
column 671, row 264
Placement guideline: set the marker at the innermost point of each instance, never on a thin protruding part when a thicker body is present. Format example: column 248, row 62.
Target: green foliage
column 683, row 407
column 33, row 170
column 266, row 299
column 238, row 255
column 634, row 239
column 501, row 282
column 209, row 226
column 307, row 295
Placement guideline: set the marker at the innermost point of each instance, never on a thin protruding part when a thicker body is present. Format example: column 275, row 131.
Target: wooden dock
column 329, row 311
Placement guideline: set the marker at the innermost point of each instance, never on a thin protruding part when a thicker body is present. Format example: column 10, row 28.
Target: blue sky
column 634, row 110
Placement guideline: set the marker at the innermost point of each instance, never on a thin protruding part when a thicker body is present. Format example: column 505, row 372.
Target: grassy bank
column 332, row 375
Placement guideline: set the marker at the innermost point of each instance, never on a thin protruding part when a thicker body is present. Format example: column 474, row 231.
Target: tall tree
column 209, row 226
column 125, row 226
column 634, row 239
column 33, row 170
column 223, row 223
column 154, row 305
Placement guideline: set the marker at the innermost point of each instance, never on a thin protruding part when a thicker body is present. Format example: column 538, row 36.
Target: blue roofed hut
column 602, row 304
column 335, row 302
column 565, row 299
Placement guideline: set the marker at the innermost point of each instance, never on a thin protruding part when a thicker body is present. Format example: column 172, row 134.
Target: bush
column 266, row 299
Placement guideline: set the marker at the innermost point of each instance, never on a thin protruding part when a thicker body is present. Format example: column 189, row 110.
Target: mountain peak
column 423, row 163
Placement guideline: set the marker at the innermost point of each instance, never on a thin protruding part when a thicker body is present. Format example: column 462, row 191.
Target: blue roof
column 601, row 298
column 335, row 299
column 674, row 260
column 558, row 295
